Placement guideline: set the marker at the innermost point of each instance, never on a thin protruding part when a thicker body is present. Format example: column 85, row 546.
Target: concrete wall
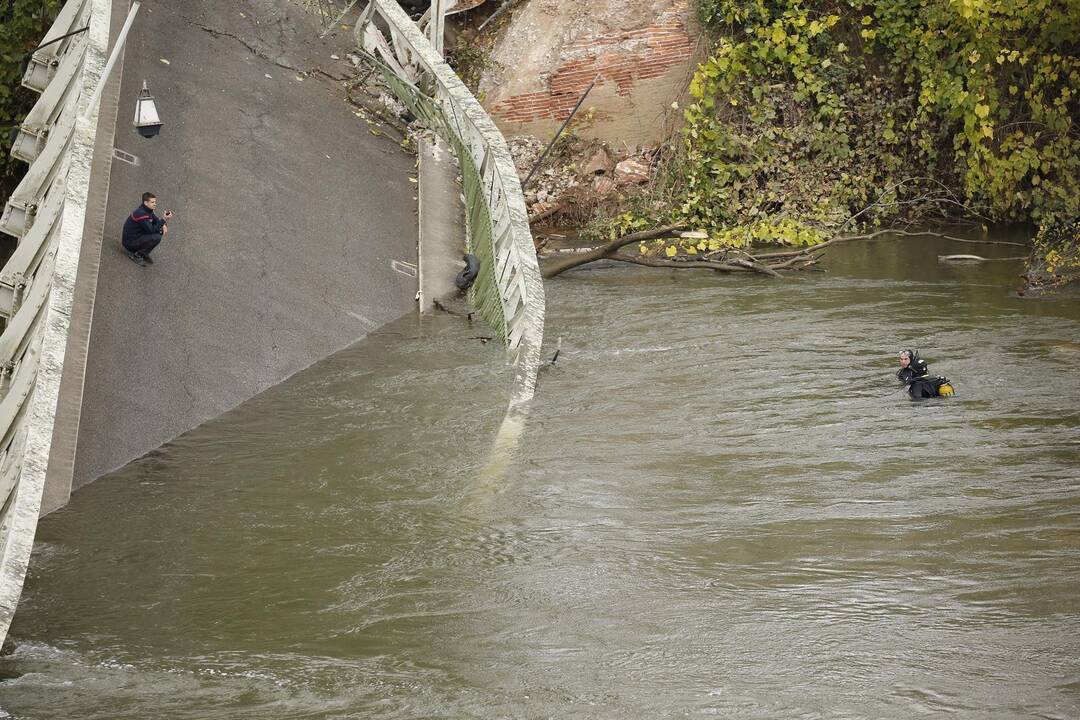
column 549, row 52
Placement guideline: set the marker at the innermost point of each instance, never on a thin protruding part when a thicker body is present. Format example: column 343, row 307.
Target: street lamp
column 147, row 120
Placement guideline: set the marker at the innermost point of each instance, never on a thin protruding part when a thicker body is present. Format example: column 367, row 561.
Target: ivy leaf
column 982, row 110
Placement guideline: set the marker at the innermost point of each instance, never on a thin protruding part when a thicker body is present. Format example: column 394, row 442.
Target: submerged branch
column 879, row 233
column 692, row 265
column 975, row 258
column 721, row 261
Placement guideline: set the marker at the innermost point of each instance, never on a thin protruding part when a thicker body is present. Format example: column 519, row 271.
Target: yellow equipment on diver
column 946, row 390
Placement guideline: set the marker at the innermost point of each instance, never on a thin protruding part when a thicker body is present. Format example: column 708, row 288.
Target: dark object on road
column 467, row 276
column 135, row 258
column 143, row 230
column 915, row 373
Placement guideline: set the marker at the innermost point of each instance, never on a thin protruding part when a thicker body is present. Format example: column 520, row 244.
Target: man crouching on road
column 143, row 230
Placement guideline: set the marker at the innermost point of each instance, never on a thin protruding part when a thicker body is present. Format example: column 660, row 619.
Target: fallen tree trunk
column 562, row 264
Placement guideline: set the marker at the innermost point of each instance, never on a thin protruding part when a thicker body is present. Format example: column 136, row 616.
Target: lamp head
column 147, row 120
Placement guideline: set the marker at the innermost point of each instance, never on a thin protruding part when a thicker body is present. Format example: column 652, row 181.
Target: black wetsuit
column 920, row 384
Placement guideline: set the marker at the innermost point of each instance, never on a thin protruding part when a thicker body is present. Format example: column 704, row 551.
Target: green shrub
column 812, row 112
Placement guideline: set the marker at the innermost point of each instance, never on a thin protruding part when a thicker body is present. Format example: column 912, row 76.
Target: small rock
column 599, row 164
column 631, row 172
column 542, row 195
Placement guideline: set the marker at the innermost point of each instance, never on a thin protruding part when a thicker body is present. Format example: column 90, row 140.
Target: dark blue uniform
column 142, row 231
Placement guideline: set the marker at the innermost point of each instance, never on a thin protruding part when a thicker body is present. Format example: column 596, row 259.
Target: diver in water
column 915, row 374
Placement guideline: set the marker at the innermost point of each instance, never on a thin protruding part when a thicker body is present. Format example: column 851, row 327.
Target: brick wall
column 622, row 60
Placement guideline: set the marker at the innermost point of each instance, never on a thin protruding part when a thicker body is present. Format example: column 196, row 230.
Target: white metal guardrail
column 509, row 292
column 513, row 300
column 46, row 212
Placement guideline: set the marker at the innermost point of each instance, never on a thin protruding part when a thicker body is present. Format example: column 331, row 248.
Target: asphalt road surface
column 289, row 213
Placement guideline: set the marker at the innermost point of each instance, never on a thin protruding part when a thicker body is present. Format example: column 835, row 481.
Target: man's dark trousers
column 143, row 244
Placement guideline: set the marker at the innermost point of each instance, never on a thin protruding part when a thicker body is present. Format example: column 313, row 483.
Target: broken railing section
column 433, row 22
column 509, row 292
column 45, row 214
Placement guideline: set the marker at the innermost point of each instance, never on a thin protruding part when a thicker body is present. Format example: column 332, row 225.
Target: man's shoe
column 135, row 258
column 146, row 257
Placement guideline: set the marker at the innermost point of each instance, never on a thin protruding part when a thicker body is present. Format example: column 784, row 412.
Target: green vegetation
column 1056, row 259
column 22, row 25
column 470, row 61
column 813, row 117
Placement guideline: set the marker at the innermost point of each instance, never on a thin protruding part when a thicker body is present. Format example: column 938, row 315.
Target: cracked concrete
column 287, row 210
column 245, row 43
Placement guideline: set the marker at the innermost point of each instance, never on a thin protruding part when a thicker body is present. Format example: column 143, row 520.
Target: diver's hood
column 918, row 365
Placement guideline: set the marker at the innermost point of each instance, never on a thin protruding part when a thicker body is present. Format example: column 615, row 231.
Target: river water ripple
column 721, row 508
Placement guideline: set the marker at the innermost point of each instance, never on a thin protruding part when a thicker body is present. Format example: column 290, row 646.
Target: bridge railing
column 509, row 292
column 46, row 214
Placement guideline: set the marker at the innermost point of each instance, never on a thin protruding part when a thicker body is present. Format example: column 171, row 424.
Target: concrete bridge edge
column 61, row 465
column 42, row 405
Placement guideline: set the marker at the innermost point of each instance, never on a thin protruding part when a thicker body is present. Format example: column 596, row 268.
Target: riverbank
column 810, row 122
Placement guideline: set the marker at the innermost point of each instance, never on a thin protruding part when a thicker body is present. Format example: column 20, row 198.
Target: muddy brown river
column 721, row 507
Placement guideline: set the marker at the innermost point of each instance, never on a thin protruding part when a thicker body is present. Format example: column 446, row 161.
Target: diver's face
column 905, row 360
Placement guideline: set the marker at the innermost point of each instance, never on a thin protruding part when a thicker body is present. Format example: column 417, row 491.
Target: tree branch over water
column 725, row 260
